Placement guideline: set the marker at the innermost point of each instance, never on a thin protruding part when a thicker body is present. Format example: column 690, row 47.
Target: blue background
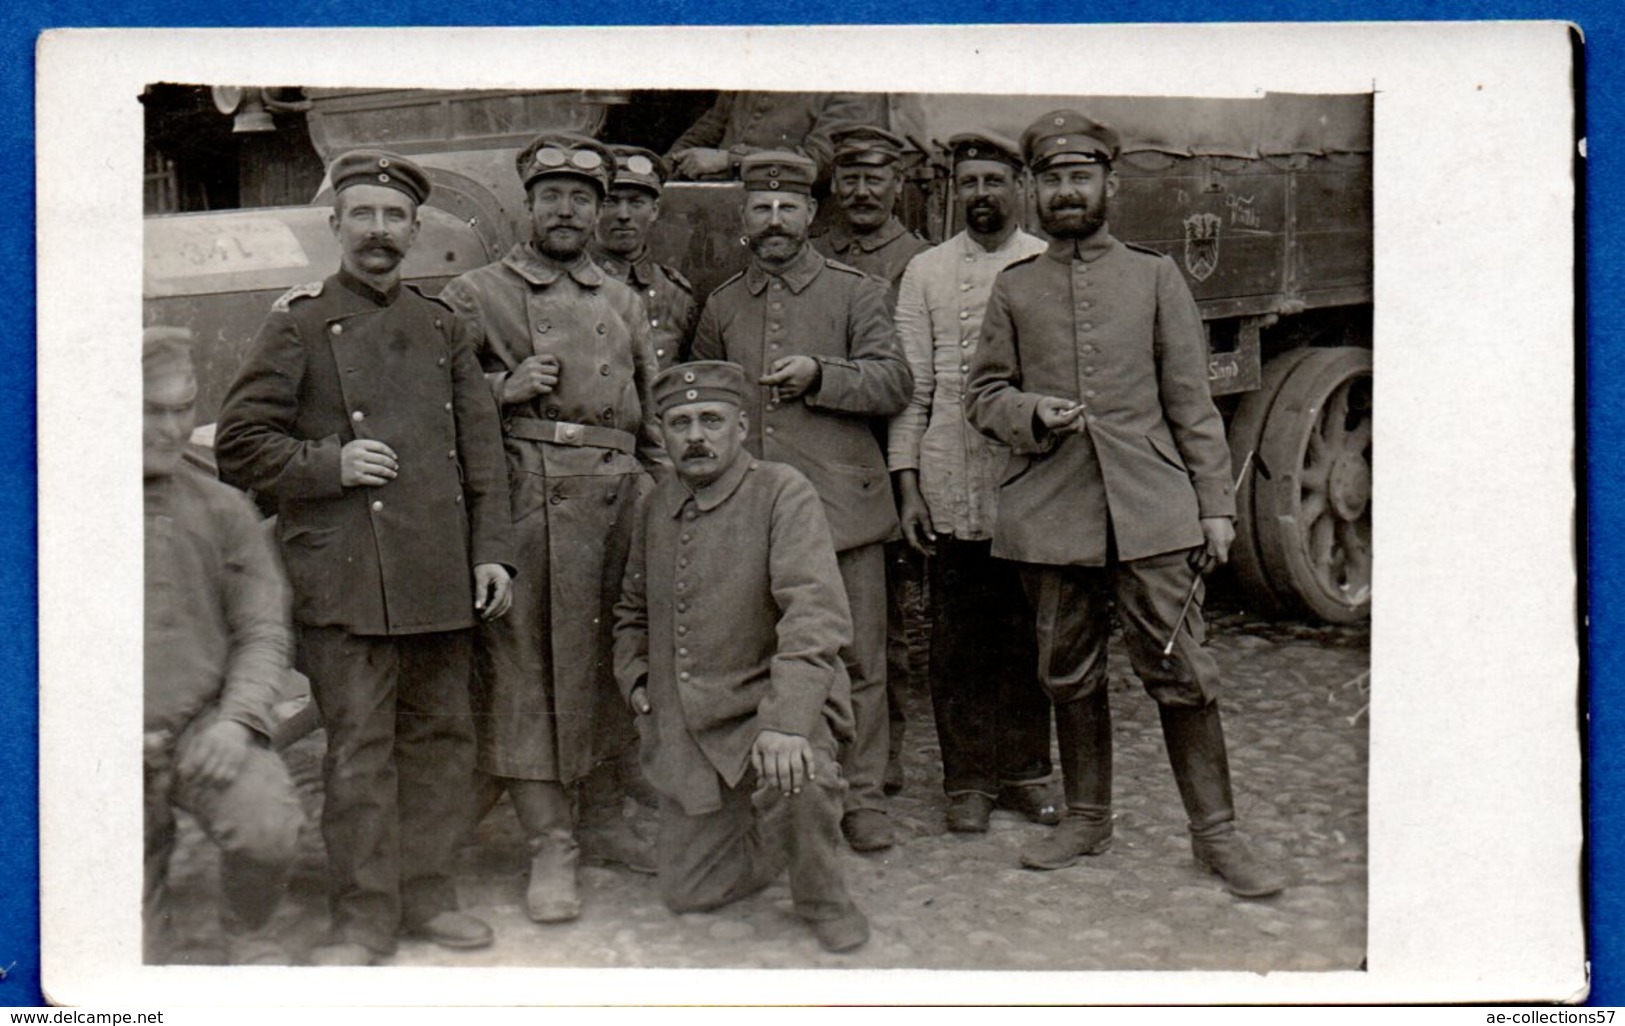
column 1604, row 414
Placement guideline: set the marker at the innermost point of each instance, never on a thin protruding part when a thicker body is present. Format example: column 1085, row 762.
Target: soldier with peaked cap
column 728, row 638
column 992, row 716
column 566, row 353
column 817, row 344
column 216, row 650
column 1092, row 368
column 866, row 182
column 361, row 411
column 622, row 250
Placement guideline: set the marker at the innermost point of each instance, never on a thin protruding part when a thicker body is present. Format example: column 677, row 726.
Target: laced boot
column 1084, row 730
column 551, row 895
column 1196, row 750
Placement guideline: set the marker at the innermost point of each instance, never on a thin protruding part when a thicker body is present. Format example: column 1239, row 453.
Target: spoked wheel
column 1312, row 486
column 1246, row 434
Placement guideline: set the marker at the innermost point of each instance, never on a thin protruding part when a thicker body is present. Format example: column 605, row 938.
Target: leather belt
column 560, row 432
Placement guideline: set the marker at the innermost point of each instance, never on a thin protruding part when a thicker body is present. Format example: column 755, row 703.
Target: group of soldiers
column 567, row 533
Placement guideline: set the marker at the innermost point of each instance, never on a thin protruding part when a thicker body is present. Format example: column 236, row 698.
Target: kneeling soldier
column 727, row 639
column 216, row 647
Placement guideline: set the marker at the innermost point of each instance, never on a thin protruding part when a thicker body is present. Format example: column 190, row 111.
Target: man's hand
column 783, row 760
column 701, row 162
column 638, row 699
column 1218, row 533
column 535, row 375
column 215, row 755
column 918, row 530
column 792, row 376
column 368, row 463
column 1058, row 415
column 493, row 593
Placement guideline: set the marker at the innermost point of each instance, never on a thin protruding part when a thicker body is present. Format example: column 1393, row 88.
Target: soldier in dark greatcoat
column 361, row 411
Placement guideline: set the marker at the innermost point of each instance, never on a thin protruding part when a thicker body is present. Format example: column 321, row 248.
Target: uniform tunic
column 545, row 701
column 1101, row 517
column 667, row 297
column 339, row 361
column 746, row 122
column 883, row 253
column 216, row 606
column 836, row 315
column 732, row 611
column 1113, row 327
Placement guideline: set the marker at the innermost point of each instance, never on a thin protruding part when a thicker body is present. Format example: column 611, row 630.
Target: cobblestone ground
column 1297, row 728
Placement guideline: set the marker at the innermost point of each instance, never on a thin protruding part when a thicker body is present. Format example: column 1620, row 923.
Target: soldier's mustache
column 697, row 451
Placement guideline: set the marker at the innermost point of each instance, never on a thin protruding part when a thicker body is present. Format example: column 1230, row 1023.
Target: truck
column 1263, row 202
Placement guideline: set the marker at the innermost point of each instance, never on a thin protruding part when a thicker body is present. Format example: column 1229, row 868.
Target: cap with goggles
column 564, row 153
column 639, row 167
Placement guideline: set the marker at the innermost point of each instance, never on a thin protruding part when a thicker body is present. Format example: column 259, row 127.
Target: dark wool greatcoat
column 837, row 316
column 734, row 613
column 336, row 361
column 1113, row 327
column 545, row 703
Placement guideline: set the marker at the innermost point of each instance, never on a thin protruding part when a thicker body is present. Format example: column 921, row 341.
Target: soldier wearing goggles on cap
column 566, row 352
column 622, row 250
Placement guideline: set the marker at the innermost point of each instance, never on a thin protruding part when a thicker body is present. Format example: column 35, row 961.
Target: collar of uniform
column 366, row 291
column 802, row 270
column 529, row 265
column 709, row 496
column 1088, row 250
column 639, row 271
column 842, row 238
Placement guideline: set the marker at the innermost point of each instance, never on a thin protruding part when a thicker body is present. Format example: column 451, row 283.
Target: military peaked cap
column 865, row 144
column 379, row 167
column 1068, row 137
column 703, row 381
column 983, row 146
column 167, row 353
column 778, row 170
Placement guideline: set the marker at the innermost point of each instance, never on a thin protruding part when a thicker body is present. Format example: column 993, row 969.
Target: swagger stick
column 1190, row 596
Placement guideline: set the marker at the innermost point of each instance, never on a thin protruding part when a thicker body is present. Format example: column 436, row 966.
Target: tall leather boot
column 605, row 831
column 1196, row 750
column 550, row 896
column 1084, row 730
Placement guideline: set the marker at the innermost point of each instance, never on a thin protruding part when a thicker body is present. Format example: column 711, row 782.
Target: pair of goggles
column 553, row 157
column 638, row 164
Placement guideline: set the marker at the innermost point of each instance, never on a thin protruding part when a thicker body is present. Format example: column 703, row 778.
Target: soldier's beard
column 562, row 244
column 1072, row 219
column 986, row 218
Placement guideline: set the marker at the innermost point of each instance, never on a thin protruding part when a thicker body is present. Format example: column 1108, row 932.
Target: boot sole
column 1097, row 849
column 551, row 916
column 1266, row 892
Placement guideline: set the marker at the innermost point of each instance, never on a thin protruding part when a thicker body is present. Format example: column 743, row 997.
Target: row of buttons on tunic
column 543, row 327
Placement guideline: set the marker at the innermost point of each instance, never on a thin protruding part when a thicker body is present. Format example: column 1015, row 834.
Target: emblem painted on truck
column 1202, row 245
